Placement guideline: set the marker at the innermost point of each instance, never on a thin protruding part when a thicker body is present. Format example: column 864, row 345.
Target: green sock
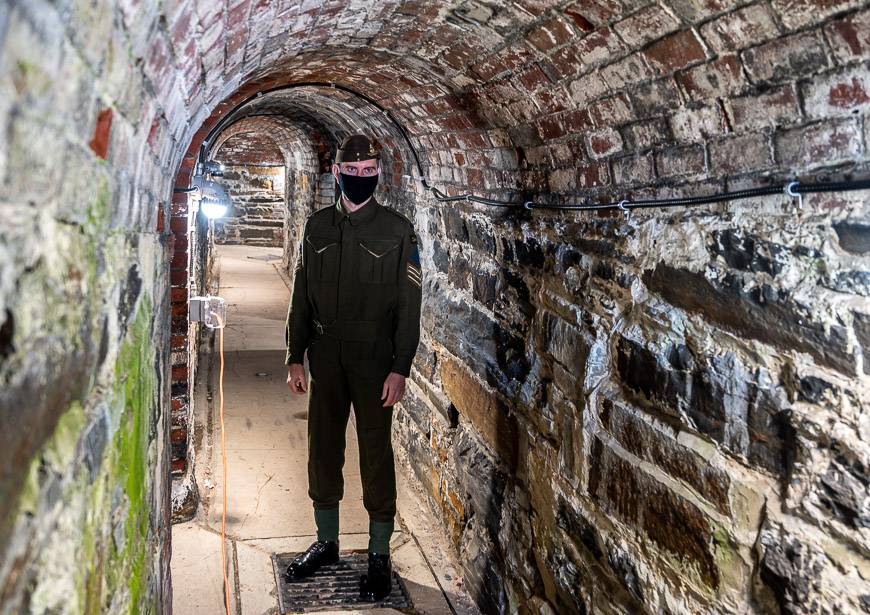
column 379, row 536
column 327, row 523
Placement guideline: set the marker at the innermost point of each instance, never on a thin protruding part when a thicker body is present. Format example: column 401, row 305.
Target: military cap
column 355, row 148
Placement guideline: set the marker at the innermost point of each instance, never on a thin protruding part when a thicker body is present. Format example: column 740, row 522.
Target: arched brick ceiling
column 253, row 147
column 428, row 62
column 334, row 113
column 281, row 138
column 528, row 90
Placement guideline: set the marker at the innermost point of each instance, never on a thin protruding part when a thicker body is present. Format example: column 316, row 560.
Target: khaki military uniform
column 356, row 309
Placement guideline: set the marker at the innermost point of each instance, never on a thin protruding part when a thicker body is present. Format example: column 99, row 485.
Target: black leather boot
column 378, row 583
column 320, row 552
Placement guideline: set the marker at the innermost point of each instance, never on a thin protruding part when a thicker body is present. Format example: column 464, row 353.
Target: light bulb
column 212, row 208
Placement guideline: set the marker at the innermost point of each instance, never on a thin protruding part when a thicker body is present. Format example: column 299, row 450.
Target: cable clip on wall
column 796, row 196
column 625, row 210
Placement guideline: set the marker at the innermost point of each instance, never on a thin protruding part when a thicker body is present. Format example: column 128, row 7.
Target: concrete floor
column 268, row 509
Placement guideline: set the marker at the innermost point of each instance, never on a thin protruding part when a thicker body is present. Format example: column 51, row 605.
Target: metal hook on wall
column 626, row 212
column 789, row 190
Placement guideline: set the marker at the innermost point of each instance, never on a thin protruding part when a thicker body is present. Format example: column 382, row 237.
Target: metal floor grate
column 332, row 587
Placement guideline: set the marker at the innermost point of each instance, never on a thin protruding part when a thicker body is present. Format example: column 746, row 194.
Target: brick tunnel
column 659, row 412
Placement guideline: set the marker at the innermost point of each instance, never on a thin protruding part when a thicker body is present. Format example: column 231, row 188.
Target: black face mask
column 357, row 189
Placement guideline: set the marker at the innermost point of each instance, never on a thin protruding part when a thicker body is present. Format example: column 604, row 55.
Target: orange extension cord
column 224, row 462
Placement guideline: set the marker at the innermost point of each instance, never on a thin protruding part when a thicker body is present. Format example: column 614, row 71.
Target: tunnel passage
column 585, row 384
column 255, row 174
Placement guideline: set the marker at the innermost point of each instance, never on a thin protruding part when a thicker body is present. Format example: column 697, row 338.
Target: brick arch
column 294, row 150
column 280, row 131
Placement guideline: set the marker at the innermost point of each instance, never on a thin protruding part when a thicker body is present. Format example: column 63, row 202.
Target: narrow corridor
column 268, row 509
column 642, row 245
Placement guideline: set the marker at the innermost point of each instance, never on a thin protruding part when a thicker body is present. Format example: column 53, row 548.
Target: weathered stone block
column 418, row 410
column 482, row 481
column 854, row 236
column 862, row 332
column 665, row 383
column 797, row 576
column 458, row 270
column 527, row 253
column 565, row 343
column 579, row 529
column 483, row 288
column 724, row 402
column 748, row 252
column 846, row 491
column 760, row 313
column 481, row 407
column 480, row 235
column 454, row 225
column 661, row 449
column 440, row 256
column 743, row 412
column 644, row 504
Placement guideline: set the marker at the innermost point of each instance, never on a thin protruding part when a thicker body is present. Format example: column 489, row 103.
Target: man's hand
column 394, row 388
column 296, row 378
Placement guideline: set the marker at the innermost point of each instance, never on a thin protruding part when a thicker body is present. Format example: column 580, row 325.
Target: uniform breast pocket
column 379, row 260
column 324, row 253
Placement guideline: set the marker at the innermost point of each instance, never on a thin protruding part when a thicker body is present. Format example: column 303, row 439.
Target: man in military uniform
column 356, row 309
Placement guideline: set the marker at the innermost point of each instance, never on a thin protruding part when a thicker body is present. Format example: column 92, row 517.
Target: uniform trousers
column 344, row 373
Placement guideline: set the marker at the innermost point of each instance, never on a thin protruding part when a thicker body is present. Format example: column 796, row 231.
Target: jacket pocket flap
column 378, row 247
column 319, row 244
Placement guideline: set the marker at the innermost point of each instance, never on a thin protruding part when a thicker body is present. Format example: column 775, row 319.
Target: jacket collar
column 363, row 214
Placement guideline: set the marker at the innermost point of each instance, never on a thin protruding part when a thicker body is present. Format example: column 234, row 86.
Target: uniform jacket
column 362, row 269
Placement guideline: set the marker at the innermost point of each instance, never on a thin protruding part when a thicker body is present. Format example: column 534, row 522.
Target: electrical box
column 210, row 311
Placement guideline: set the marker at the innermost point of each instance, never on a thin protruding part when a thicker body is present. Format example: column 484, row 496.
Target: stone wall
column 84, row 338
column 258, row 199
column 666, row 413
